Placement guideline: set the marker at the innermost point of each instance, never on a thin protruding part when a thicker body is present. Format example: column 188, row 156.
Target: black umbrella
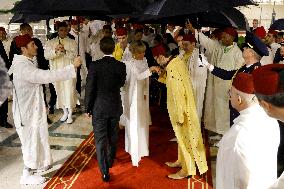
column 27, row 18
column 167, row 8
column 278, row 24
column 216, row 19
column 80, row 8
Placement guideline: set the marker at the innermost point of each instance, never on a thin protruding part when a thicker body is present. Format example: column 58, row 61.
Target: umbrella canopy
column 278, row 24
column 27, row 18
column 217, row 19
column 167, row 8
column 80, row 8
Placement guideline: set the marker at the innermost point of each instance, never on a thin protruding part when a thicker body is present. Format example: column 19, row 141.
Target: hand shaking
column 156, row 69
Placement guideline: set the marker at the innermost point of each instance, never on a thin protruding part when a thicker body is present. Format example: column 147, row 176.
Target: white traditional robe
column 29, row 108
column 7, row 44
column 216, row 112
column 96, row 25
column 267, row 59
column 136, row 111
column 127, row 55
column 247, row 155
column 95, row 49
column 198, row 76
column 274, row 47
column 65, row 90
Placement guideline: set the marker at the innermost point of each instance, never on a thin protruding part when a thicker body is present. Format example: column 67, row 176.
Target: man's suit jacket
column 105, row 78
column 4, row 55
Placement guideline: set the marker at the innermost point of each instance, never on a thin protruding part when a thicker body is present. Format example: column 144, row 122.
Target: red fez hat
column 2, row 29
column 74, row 22
column 80, row 19
column 217, row 33
column 23, row 40
column 244, row 83
column 272, row 31
column 121, row 31
column 231, row 31
column 137, row 26
column 158, row 50
column 260, row 32
column 189, row 37
column 269, row 79
column 57, row 22
column 107, row 27
column 171, row 24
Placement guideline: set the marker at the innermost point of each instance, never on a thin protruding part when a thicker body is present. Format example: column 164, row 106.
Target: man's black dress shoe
column 110, row 163
column 49, row 120
column 106, row 177
column 51, row 110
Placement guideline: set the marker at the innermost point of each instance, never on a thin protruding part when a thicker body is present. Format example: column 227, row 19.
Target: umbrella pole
column 47, row 27
column 260, row 15
column 273, row 14
column 198, row 41
column 78, row 50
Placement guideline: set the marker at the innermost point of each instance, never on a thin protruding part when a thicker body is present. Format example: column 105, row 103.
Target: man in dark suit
column 103, row 101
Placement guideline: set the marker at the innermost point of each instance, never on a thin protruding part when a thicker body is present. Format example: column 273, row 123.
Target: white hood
column 19, row 59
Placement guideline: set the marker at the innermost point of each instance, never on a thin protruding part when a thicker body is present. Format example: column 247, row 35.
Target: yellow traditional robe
column 122, row 55
column 118, row 52
column 182, row 109
column 186, row 57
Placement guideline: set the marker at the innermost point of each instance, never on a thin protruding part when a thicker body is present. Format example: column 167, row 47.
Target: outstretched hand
column 156, row 69
column 77, row 62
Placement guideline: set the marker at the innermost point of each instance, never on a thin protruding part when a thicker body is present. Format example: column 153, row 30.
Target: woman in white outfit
column 136, row 103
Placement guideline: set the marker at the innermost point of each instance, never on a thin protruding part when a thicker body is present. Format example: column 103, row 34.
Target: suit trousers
column 53, row 97
column 78, row 81
column 4, row 112
column 106, row 137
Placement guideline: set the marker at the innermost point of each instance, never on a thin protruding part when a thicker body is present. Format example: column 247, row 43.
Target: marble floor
column 64, row 139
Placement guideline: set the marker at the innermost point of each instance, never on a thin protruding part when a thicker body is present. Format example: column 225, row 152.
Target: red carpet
column 81, row 171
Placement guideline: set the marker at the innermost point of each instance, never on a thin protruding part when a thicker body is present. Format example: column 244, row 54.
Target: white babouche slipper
column 29, row 179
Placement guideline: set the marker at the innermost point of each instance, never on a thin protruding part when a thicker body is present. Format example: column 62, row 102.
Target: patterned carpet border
column 71, row 169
